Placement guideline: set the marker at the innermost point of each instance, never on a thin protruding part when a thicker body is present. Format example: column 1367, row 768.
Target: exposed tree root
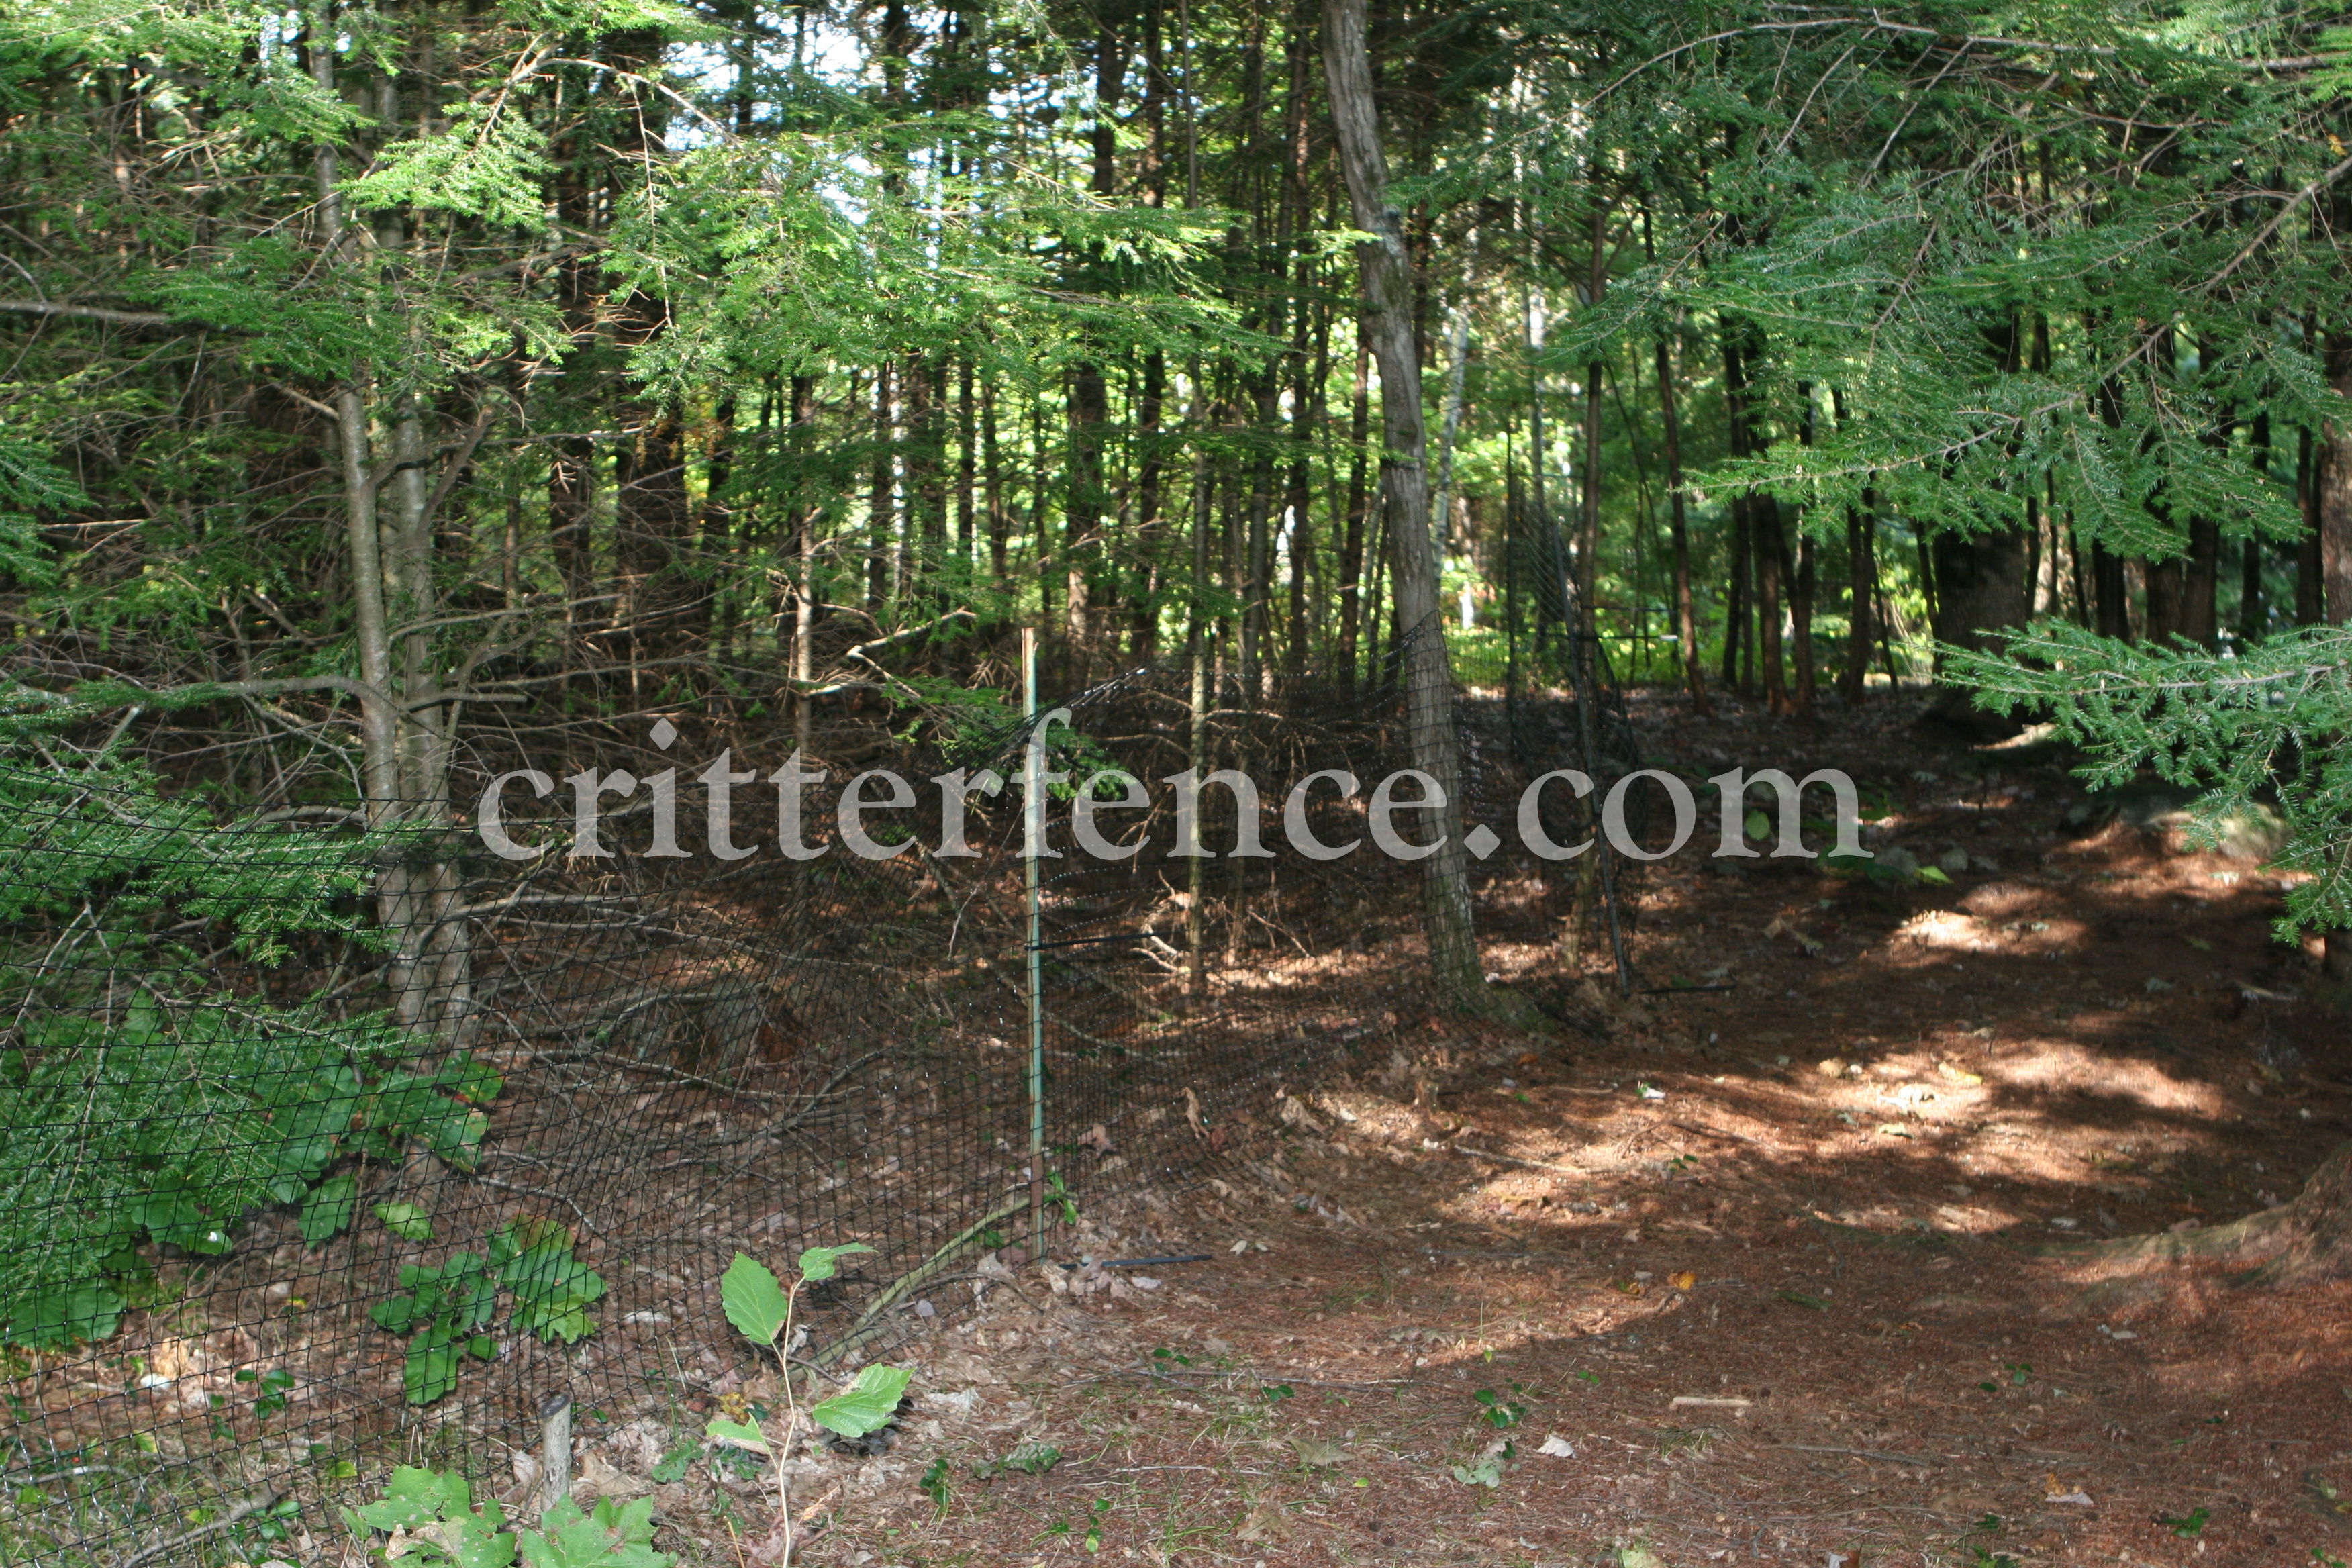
column 2301, row 1242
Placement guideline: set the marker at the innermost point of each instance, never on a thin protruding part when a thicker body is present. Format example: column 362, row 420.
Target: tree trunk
column 2200, row 583
column 1861, row 583
column 1771, row 543
column 805, row 607
column 2333, row 483
column 1801, row 617
column 2110, row 593
column 879, row 489
column 1148, row 525
column 1404, row 492
column 1351, row 546
column 1979, row 592
column 2310, row 577
column 1736, row 669
column 2167, row 600
column 2250, row 555
column 1685, row 617
column 1000, row 520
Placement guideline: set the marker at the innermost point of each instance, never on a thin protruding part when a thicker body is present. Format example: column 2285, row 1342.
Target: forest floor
column 1777, row 1272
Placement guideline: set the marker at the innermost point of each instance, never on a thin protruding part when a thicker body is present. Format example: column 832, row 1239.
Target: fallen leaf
column 1265, row 1522
column 1683, row 1281
column 1316, row 1455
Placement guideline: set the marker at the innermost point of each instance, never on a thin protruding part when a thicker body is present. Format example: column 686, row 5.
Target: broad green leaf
column 430, row 1371
column 736, row 1434
column 610, row 1537
column 414, row 1497
column 64, row 1315
column 817, row 1262
column 408, row 1221
column 1935, row 874
column 755, row 1302
column 394, row 1314
column 327, row 1210
column 865, row 1405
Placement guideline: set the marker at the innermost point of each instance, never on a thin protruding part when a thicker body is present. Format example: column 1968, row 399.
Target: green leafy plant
column 440, row 1527
column 1499, row 1411
column 760, row 1307
column 2188, row 1526
column 936, row 1484
column 1031, row 1459
column 446, row 1308
column 191, row 1101
column 1486, row 1472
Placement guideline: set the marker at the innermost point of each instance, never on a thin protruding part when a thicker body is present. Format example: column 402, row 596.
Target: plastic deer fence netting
column 339, row 1136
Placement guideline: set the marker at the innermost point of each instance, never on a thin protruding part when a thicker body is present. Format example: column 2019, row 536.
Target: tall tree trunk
column 2332, row 486
column 967, row 465
column 1388, row 297
column 883, row 481
column 1981, row 590
column 1737, row 671
column 2332, row 482
column 2110, row 593
column 1352, row 545
column 1685, row 614
column 999, row 517
column 1588, row 543
column 2249, row 559
column 2167, row 599
column 1862, row 585
column 379, row 723
column 2200, row 583
column 1801, row 617
column 1801, row 588
column 1771, row 545
column 1150, row 526
column 1298, row 502
column 806, row 598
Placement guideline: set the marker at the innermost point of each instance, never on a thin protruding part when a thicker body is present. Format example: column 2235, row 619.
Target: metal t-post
column 1033, row 835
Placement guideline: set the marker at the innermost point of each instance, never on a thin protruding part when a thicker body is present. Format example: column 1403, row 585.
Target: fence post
column 1033, row 807
column 554, row 1449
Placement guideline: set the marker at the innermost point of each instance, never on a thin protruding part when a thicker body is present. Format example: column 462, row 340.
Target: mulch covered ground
column 1782, row 1271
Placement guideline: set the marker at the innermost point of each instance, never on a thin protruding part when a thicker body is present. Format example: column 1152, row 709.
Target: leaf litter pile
column 1797, row 1258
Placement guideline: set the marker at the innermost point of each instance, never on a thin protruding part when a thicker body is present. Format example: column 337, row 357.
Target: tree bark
column 2333, row 484
column 2310, row 597
column 1981, row 590
column 1404, row 489
column 1352, row 545
column 881, row 483
column 1686, row 617
column 1861, row 583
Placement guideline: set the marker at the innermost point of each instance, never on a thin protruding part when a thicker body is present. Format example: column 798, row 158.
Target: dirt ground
column 1790, row 1270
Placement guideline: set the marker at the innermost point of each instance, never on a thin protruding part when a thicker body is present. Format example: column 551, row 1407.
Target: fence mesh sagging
column 331, row 1146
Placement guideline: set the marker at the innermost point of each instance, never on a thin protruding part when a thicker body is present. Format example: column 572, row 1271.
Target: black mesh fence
column 341, row 1137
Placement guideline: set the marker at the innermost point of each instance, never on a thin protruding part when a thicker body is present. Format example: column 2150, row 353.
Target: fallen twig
column 246, row 1509
column 1467, row 1152
column 1910, row 1459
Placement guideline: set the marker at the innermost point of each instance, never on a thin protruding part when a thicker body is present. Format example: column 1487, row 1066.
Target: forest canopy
column 411, row 372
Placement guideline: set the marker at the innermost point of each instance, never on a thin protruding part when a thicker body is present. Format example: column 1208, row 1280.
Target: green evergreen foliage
column 2267, row 725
